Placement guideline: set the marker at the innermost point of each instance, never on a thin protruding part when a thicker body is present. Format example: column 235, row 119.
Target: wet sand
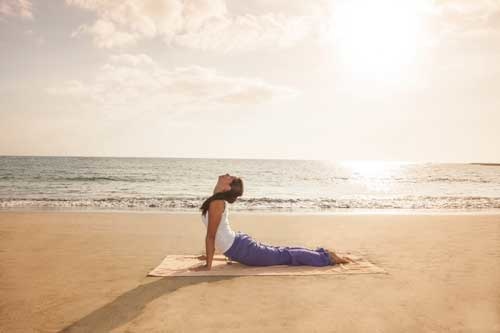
column 86, row 272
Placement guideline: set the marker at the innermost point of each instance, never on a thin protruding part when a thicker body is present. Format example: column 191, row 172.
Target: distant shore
column 486, row 164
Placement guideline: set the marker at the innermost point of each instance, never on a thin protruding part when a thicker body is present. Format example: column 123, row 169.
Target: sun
column 377, row 39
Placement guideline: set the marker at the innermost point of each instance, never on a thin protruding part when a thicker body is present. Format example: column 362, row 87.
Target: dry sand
column 85, row 272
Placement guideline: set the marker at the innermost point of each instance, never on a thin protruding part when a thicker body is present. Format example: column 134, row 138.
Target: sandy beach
column 86, row 272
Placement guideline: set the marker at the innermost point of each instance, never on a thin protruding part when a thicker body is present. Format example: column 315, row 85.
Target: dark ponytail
column 229, row 196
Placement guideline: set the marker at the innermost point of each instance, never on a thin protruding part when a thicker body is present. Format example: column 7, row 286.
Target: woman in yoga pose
column 243, row 248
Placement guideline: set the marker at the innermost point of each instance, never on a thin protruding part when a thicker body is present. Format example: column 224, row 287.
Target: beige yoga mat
column 180, row 265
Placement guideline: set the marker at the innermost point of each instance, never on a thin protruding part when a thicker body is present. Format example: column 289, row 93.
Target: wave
column 106, row 178
column 457, row 180
column 155, row 178
column 80, row 178
column 260, row 204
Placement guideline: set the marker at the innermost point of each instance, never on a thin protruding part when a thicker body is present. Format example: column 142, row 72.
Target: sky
column 389, row 80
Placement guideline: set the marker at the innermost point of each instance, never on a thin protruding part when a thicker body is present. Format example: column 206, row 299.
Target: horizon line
column 270, row 159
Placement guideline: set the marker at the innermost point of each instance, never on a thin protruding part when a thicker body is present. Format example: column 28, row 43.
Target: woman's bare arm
column 210, row 249
column 214, row 217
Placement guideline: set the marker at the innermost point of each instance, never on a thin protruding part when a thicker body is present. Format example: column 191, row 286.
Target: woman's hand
column 204, row 257
column 203, row 267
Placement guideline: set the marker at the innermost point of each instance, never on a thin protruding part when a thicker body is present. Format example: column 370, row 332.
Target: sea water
column 182, row 184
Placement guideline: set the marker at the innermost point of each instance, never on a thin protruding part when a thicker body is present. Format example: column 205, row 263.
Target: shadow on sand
column 129, row 305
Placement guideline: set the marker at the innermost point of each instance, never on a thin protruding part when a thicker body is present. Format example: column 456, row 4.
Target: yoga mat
column 180, row 265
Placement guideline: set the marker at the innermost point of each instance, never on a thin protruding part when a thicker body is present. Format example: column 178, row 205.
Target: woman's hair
column 230, row 196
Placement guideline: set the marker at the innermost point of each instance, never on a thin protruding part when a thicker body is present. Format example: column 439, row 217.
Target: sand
column 86, row 272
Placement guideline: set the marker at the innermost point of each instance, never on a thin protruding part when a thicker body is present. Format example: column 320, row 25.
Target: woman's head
column 224, row 183
column 228, row 188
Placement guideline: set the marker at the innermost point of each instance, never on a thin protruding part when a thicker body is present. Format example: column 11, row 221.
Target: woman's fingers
column 199, row 268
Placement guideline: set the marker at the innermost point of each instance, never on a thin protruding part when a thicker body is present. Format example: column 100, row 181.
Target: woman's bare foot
column 335, row 259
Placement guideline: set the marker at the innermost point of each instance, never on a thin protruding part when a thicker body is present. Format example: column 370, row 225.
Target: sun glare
column 375, row 175
column 377, row 39
column 369, row 169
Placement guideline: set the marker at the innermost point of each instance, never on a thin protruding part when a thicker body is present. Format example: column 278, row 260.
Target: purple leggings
column 252, row 253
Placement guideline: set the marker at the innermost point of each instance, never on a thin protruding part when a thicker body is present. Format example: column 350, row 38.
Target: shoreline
column 354, row 212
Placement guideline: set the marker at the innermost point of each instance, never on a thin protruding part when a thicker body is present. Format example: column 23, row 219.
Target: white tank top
column 225, row 235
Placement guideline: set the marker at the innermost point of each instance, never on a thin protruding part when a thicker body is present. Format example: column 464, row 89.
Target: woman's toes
column 341, row 260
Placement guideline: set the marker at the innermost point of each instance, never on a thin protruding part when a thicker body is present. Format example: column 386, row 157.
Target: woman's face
column 223, row 183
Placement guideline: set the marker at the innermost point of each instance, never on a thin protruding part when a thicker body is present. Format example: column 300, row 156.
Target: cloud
column 71, row 88
column 467, row 7
column 246, row 33
column 137, row 82
column 20, row 8
column 124, row 22
column 233, row 26
column 131, row 60
column 468, row 18
column 200, row 24
column 106, row 34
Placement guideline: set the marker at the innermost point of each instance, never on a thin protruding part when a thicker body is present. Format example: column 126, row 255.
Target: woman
column 241, row 247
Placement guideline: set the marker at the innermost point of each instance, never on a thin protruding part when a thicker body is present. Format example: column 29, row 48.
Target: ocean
column 182, row 184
